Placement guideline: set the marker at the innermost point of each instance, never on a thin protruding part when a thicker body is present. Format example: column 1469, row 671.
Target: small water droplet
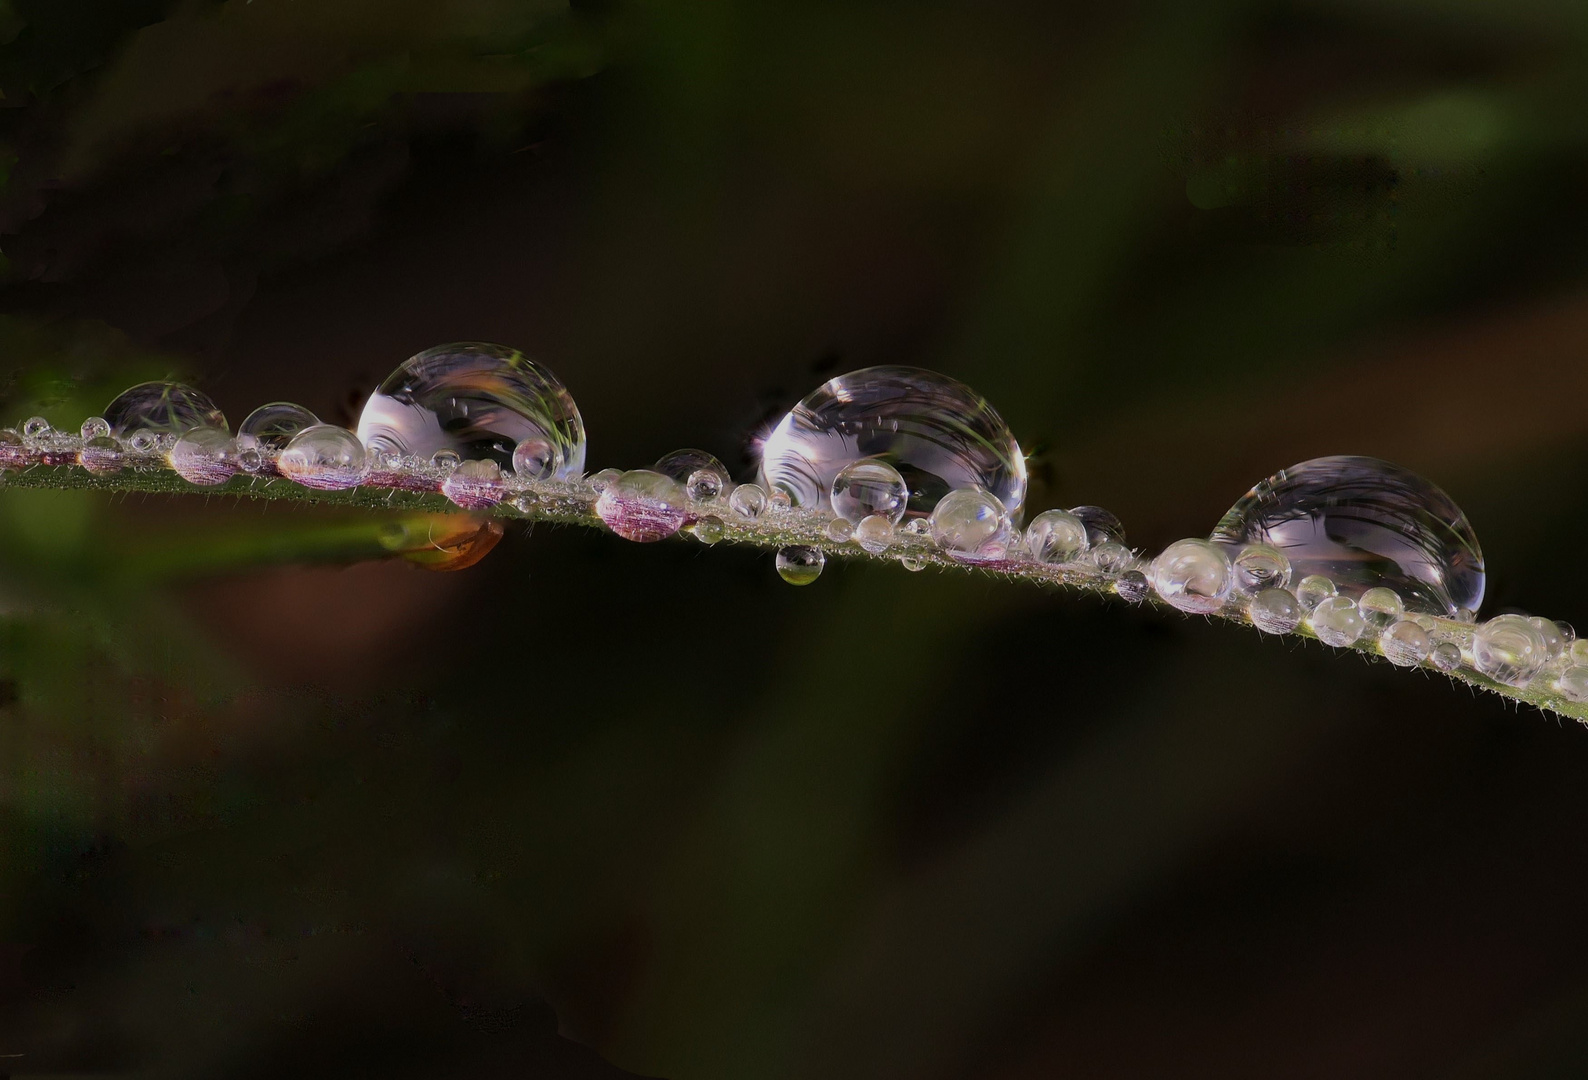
column 1275, row 611
column 748, row 501
column 1193, row 575
column 799, row 564
column 1405, row 644
column 603, row 479
column 642, row 506
column 779, row 501
column 162, row 410
column 709, row 529
column 1101, row 525
column 938, row 433
column 1445, row 656
column 271, row 427
column 206, row 456
column 475, row 485
column 874, row 533
column 838, row 530
column 1572, row 684
column 144, row 442
column 535, row 459
column 1380, row 607
column 101, row 455
column 1337, row 621
column 250, row 460
column 1112, row 557
column 478, row 401
column 1258, row 567
column 1056, row 536
column 324, row 457
column 913, row 563
column 1313, row 590
column 971, row 523
column 1554, row 640
column 704, row 485
column 95, row 427
column 1362, row 522
column 525, row 502
column 701, row 474
column 1568, row 632
column 1509, row 649
column 445, row 459
column 917, row 527
column 869, row 487
column 1132, row 586
column 36, row 427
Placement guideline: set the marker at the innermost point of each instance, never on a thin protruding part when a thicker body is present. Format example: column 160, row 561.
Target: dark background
column 592, row 808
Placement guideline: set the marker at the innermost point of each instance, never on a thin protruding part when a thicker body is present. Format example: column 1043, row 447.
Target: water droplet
column 603, row 479
column 1337, row 621
column 1258, row 567
column 475, row 485
column 101, row 456
column 971, row 523
column 747, row 500
column 324, row 457
column 143, row 442
column 535, row 459
column 163, row 411
column 1554, row 640
column 917, row 527
column 709, row 529
column 1132, row 586
column 1572, row 684
column 799, row 564
column 13, row 454
column 95, row 427
column 250, row 460
column 1380, row 607
column 205, row 456
column 1568, row 632
column 874, row 533
column 1193, row 575
column 1275, row 611
column 478, row 401
column 838, row 530
column 1056, row 536
column 1362, row 522
column 912, row 563
column 642, row 506
column 1313, row 590
column 1445, row 657
column 1509, row 649
column 1406, row 644
column 938, row 433
column 684, row 465
column 867, row 487
column 271, row 427
column 35, row 427
column 1112, row 557
column 525, row 502
column 1101, row 525
column 445, row 460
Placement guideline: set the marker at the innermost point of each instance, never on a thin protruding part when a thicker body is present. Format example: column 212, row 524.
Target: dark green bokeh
column 272, row 806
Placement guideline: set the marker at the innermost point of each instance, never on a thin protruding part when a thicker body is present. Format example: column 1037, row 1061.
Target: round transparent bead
column 1313, row 590
column 36, row 427
column 446, row 459
column 1101, row 525
column 524, row 502
column 1405, row 644
column 869, row 487
column 1554, row 641
column 95, row 427
column 1193, row 575
column 536, row 459
column 1056, row 536
column 748, row 501
column 1381, row 607
column 1572, row 684
column 778, row 501
column 643, row 506
column 271, row 427
column 475, row 485
column 101, row 455
column 703, row 485
column 1337, row 621
column 874, row 533
column 324, row 457
column 1509, row 649
column 205, row 456
column 1568, row 632
column 1132, row 586
column 912, row 563
column 1445, row 656
column 161, row 410
column 799, row 564
column 917, row 527
column 709, row 529
column 1112, row 557
column 701, row 474
column 971, row 523
column 838, row 530
column 1257, row 567
column 603, row 479
column 1275, row 611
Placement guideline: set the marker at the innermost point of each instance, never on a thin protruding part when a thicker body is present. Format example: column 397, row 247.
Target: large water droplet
column 799, row 564
column 937, row 432
column 1337, row 621
column 1406, row 644
column 475, row 485
column 1275, row 611
column 869, row 487
column 101, row 456
column 747, row 500
column 476, row 401
column 971, row 523
column 206, row 456
column 1056, row 536
column 161, row 412
column 271, row 427
column 1362, row 522
column 1193, row 575
column 642, row 506
column 1509, row 649
column 874, row 533
column 1258, row 567
column 325, row 457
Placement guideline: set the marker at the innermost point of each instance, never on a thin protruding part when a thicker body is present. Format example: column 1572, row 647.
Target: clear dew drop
column 1132, row 586
column 971, row 524
column 1337, row 621
column 1112, row 557
column 524, row 502
column 324, row 457
column 1363, row 522
column 35, row 428
column 709, row 529
column 1572, row 684
column 1406, row 644
column 779, row 501
column 206, row 456
column 1258, row 567
column 1313, row 590
column 748, row 501
column 703, row 477
column 1509, row 649
column 1101, row 525
column 536, row 459
column 799, row 564
column 271, row 427
column 1380, row 607
column 704, row 485
column 476, row 401
column 874, row 533
column 1275, row 611
column 445, row 459
column 1554, row 641
column 938, row 433
column 838, row 530
column 101, row 455
column 917, row 527
column 603, row 479
column 1056, row 536
column 95, row 427
column 250, row 460
column 475, row 485
column 869, row 487
column 643, row 506
column 1193, row 575
column 912, row 563
column 1445, row 656
column 160, row 413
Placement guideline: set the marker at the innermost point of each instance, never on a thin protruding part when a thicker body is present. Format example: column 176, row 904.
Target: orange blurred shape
column 442, row 541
